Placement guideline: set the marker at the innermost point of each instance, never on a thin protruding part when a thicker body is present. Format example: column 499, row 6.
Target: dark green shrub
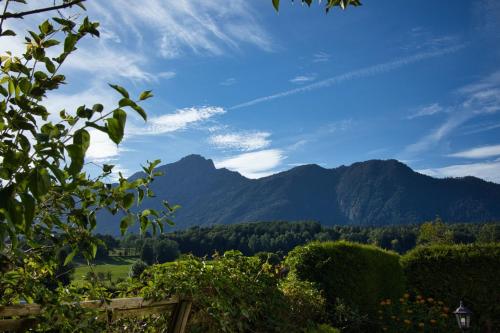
column 137, row 268
column 358, row 274
column 459, row 272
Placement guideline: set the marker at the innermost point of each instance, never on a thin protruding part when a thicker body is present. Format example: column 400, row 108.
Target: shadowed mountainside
column 375, row 192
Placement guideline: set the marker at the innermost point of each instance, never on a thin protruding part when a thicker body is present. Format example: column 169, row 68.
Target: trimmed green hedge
column 360, row 275
column 459, row 272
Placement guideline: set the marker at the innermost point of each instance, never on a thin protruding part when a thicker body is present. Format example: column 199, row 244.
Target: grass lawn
column 118, row 266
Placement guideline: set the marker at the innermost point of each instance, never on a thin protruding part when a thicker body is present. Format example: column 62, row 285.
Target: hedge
column 359, row 275
column 459, row 272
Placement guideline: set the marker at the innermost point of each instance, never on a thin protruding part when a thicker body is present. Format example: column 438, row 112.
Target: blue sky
column 260, row 92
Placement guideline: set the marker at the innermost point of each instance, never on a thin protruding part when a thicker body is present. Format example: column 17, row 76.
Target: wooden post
column 179, row 317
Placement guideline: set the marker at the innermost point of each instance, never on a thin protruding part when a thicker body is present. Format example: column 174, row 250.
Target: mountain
column 375, row 192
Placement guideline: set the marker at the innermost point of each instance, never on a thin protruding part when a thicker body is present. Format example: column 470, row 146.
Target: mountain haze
column 374, row 192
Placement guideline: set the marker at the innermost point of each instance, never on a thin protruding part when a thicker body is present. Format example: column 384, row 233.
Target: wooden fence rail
column 22, row 316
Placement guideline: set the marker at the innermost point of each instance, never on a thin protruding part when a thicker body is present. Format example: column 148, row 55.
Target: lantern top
column 462, row 310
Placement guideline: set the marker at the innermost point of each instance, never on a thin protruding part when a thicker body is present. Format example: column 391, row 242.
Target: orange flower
column 382, row 302
column 407, row 322
column 430, row 300
column 446, row 309
column 433, row 321
column 388, row 301
column 406, row 295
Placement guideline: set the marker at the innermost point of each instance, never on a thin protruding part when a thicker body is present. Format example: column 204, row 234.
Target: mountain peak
column 195, row 160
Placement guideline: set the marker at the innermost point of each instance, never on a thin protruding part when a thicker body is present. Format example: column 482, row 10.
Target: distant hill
column 375, row 192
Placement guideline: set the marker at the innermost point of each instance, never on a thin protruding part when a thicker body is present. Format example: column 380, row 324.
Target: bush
column 137, row 268
column 358, row 274
column 459, row 272
column 414, row 314
column 231, row 293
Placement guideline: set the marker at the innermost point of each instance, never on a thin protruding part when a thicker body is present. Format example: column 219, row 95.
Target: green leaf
column 8, row 33
column 39, row 182
column 93, row 247
column 70, row 257
column 82, row 138
column 107, row 168
column 126, row 222
column 276, row 4
column 145, row 95
column 29, row 209
column 70, row 42
column 50, row 42
column 116, row 125
column 98, row 107
column 77, row 154
column 120, row 89
column 128, row 200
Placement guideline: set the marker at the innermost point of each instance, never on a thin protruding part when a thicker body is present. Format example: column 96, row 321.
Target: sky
column 260, row 92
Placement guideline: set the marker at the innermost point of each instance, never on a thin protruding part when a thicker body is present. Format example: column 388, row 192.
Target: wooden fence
column 20, row 317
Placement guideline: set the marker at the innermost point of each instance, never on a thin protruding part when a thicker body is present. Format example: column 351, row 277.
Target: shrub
column 323, row 328
column 459, row 272
column 414, row 314
column 137, row 268
column 358, row 274
column 231, row 293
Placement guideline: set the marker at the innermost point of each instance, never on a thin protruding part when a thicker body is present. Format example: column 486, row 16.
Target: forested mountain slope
column 374, row 192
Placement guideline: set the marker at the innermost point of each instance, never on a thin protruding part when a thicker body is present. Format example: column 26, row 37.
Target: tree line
column 280, row 237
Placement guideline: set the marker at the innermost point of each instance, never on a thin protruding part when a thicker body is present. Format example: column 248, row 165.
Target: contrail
column 356, row 74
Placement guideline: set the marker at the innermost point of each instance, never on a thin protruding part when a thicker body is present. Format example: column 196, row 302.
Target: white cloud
column 485, row 170
column 101, row 148
column 179, row 120
column 244, row 141
column 303, row 79
column 321, row 57
column 355, row 74
column 110, row 63
column 427, row 111
column 479, row 152
column 255, row 164
column 204, row 27
column 480, row 98
column 228, row 82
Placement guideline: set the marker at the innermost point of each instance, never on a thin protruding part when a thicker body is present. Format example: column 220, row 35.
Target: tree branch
column 40, row 10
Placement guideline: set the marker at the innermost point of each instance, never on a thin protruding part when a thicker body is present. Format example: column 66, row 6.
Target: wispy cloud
column 255, row 164
column 228, row 82
column 321, row 57
column 113, row 63
column 244, row 141
column 356, row 74
column 426, row 111
column 178, row 120
column 479, row 152
column 181, row 26
column 477, row 99
column 301, row 79
column 485, row 170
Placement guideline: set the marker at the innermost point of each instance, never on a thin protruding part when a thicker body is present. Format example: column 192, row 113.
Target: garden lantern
column 463, row 317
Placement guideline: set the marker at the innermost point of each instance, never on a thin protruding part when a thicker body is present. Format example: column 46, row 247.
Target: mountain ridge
column 373, row 192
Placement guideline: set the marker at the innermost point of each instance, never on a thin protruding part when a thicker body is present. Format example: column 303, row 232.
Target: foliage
column 435, row 232
column 323, row 328
column 329, row 3
column 459, row 272
column 414, row 314
column 231, row 293
column 137, row 268
column 44, row 189
column 358, row 274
